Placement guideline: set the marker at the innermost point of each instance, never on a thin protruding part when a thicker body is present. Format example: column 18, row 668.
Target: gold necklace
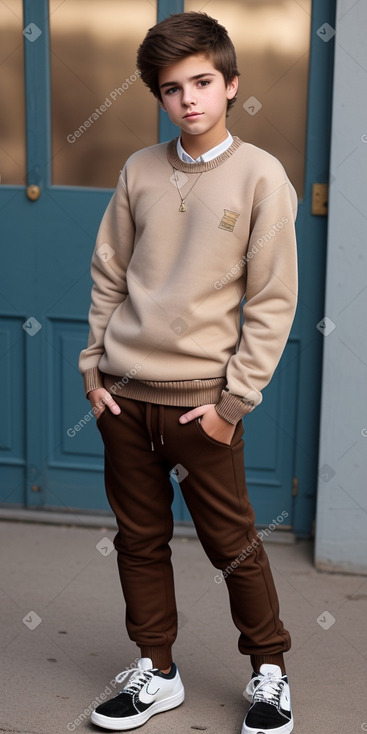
column 182, row 207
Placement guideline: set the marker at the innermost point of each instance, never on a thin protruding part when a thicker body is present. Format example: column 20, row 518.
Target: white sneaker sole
column 124, row 724
column 285, row 729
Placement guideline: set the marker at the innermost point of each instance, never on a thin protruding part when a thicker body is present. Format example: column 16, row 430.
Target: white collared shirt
column 205, row 157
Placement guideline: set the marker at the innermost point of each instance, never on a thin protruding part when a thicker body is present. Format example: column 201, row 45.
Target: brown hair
column 182, row 35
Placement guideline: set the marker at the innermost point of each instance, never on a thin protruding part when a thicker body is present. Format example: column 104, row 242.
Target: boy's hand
column 100, row 399
column 212, row 423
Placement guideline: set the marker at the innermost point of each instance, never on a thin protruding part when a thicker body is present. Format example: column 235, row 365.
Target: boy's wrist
column 92, row 379
column 232, row 408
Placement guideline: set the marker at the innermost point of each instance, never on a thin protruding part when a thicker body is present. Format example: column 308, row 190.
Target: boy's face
column 194, row 95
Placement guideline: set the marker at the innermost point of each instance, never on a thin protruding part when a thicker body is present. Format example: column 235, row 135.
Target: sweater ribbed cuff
column 232, row 408
column 92, row 379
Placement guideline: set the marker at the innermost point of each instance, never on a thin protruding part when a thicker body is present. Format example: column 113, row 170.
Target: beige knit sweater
column 168, row 285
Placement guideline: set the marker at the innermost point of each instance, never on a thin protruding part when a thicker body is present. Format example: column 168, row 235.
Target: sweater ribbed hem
column 185, row 393
column 161, row 656
column 92, row 379
column 232, row 408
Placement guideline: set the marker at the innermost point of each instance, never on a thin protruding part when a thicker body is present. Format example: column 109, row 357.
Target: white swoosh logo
column 145, row 696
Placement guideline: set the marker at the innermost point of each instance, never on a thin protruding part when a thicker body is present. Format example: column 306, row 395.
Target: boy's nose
column 188, row 97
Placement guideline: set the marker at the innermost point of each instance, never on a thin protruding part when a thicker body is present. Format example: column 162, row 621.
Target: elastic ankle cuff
column 161, row 655
column 258, row 660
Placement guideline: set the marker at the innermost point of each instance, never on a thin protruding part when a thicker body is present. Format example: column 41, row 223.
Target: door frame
column 312, row 260
column 312, row 266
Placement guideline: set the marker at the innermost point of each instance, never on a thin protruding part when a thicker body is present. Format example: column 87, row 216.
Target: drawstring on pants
column 161, row 423
column 148, row 421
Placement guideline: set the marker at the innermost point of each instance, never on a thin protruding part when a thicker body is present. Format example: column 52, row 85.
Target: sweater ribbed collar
column 180, row 165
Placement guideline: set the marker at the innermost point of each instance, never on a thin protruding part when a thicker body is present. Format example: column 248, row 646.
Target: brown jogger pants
column 142, row 446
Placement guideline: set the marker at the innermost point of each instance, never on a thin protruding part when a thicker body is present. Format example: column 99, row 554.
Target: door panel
column 12, row 149
column 75, row 466
column 12, row 439
column 272, row 41
column 51, row 454
column 269, row 442
column 101, row 112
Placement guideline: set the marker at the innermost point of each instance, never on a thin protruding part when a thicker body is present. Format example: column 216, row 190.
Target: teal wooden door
column 50, row 452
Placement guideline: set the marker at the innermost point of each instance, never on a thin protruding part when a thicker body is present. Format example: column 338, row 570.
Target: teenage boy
column 194, row 225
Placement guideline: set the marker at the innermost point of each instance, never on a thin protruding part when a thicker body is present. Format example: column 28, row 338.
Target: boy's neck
column 197, row 145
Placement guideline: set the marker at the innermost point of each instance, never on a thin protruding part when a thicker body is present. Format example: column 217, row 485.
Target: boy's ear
column 161, row 104
column 232, row 88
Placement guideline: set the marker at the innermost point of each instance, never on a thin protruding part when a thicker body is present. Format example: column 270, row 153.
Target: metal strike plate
column 320, row 195
column 33, row 192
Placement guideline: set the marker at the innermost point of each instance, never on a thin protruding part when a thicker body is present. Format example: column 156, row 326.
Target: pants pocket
column 100, row 418
column 235, row 438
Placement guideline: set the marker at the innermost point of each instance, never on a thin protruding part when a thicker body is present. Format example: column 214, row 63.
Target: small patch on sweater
column 228, row 220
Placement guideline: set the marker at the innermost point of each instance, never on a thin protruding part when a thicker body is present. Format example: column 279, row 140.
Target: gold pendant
column 182, row 207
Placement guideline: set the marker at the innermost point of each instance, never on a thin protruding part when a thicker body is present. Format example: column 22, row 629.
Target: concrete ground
column 63, row 638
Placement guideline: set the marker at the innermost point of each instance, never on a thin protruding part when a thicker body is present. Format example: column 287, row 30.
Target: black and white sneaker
column 270, row 711
column 148, row 692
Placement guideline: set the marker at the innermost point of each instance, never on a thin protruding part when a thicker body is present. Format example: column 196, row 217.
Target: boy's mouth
column 192, row 114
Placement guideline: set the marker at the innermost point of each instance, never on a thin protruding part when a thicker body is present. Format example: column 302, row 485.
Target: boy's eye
column 201, row 83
